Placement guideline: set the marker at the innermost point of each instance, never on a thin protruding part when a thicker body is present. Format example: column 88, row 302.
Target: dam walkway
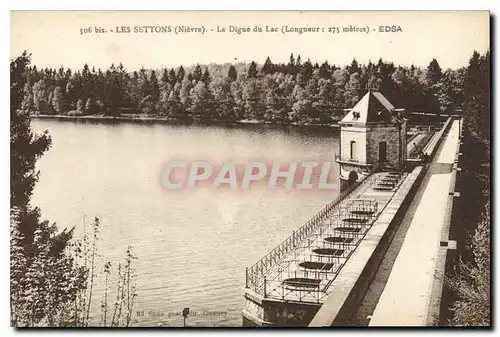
column 407, row 296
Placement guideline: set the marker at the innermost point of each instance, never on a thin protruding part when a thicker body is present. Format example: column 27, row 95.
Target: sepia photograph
column 235, row 169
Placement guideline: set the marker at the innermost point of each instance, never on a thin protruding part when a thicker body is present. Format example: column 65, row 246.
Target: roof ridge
column 368, row 107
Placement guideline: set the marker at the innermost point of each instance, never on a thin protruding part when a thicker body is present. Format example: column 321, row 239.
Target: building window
column 353, row 150
column 382, row 152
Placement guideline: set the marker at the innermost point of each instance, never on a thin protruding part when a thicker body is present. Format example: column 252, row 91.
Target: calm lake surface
column 192, row 246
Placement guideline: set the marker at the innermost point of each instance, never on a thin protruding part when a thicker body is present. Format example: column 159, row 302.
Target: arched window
column 353, row 150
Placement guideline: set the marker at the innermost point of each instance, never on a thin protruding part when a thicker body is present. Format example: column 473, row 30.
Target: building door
column 353, row 177
column 382, row 152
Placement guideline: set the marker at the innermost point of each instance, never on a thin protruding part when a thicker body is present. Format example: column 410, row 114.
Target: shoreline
column 159, row 120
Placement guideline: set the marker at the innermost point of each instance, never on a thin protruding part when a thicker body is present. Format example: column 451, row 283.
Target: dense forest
column 294, row 93
column 470, row 280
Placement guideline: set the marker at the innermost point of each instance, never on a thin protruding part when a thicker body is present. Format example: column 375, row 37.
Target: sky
column 55, row 38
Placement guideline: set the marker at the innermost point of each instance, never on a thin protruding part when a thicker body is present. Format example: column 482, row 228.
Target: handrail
column 274, row 287
column 431, row 147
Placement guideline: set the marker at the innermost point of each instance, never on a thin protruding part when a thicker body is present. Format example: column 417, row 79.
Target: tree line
column 469, row 281
column 295, row 92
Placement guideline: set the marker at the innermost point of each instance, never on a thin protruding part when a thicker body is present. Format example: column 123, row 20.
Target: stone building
column 373, row 133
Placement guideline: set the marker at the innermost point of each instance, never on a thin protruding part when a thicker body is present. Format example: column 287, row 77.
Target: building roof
column 372, row 108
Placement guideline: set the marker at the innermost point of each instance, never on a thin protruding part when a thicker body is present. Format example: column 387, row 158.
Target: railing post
column 246, row 277
column 265, row 285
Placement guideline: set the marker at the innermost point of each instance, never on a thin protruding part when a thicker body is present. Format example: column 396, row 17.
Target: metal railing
column 416, row 151
column 308, row 291
column 310, row 284
column 256, row 273
column 433, row 144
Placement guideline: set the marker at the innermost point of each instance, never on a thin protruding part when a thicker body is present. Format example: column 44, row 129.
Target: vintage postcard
column 250, row 168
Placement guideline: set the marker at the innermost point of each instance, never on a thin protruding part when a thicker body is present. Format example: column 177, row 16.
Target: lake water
column 192, row 246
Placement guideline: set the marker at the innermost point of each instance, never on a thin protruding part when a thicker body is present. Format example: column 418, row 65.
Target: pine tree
column 154, row 87
column 252, row 70
column 197, row 73
column 291, row 65
column 26, row 146
column 85, row 81
column 164, row 77
column 44, row 280
column 67, row 74
column 180, row 74
column 172, row 76
column 477, row 93
column 324, row 70
column 100, row 88
column 298, row 64
column 434, row 73
column 61, row 73
column 144, row 84
column 354, row 67
column 206, row 77
column 472, row 283
column 268, row 67
column 114, row 93
column 305, row 73
column 134, row 90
